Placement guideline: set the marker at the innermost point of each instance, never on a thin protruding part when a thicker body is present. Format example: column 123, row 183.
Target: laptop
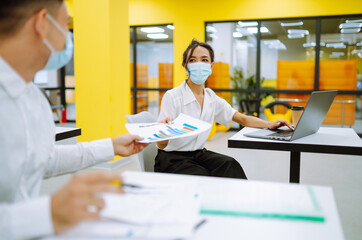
column 309, row 123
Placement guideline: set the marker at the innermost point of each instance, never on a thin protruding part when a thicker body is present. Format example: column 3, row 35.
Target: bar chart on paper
column 182, row 126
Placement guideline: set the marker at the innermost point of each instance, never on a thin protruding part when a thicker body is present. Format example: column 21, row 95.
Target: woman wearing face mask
column 188, row 155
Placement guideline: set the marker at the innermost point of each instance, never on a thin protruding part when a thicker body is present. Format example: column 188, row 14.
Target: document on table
column 182, row 126
column 293, row 202
column 152, row 210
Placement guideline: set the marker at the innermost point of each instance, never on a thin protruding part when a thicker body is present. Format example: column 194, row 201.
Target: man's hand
column 126, row 145
column 280, row 123
column 71, row 204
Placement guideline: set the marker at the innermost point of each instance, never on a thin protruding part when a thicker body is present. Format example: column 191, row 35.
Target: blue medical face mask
column 199, row 72
column 58, row 59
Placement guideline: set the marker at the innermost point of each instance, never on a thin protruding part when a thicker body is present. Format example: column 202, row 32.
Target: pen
column 199, row 224
column 119, row 183
column 131, row 185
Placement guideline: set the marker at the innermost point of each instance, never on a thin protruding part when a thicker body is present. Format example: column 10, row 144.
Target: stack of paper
column 148, row 211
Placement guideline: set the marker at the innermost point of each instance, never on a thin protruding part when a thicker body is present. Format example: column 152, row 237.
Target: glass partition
column 153, row 56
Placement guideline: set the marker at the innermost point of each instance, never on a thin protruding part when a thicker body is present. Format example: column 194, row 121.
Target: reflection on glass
column 234, row 46
column 287, row 54
column 154, row 57
column 340, row 64
column 341, row 53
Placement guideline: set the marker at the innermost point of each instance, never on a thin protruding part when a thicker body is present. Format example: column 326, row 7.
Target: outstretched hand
column 126, row 145
column 279, row 123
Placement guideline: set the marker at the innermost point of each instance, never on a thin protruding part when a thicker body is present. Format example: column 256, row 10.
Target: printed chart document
column 182, row 126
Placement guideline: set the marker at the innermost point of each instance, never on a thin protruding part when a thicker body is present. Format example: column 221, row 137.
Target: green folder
column 311, row 212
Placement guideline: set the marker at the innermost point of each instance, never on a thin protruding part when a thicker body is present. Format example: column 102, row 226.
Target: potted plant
column 248, row 102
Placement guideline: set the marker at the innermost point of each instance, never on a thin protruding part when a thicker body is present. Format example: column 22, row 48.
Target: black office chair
column 250, row 107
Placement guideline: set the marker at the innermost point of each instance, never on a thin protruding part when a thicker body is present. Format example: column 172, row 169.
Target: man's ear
column 41, row 23
column 212, row 65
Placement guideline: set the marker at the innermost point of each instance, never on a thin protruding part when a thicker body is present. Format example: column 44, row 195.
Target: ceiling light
column 357, row 51
column 291, row 24
column 350, row 30
column 254, row 30
column 311, row 44
column 293, row 36
column 338, row 53
column 351, row 21
column 336, row 45
column 248, row 24
column 237, row 35
column 350, row 25
column 210, row 29
column 152, row 30
column 172, row 27
column 157, row 36
column 298, row 31
column 264, row 30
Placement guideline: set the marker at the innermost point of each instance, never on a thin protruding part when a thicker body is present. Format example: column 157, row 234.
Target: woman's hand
column 166, row 120
column 163, row 144
column 279, row 123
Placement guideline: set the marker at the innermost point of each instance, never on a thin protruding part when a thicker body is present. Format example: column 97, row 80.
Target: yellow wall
column 101, row 36
column 188, row 16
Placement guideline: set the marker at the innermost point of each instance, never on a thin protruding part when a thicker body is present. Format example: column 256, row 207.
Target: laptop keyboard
column 281, row 134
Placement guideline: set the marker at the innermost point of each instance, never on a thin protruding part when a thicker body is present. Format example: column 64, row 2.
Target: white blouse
column 28, row 154
column 182, row 100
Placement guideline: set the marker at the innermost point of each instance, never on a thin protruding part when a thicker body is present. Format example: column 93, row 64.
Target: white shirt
column 182, row 100
column 28, row 154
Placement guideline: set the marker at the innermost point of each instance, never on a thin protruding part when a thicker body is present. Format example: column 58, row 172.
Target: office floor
column 341, row 172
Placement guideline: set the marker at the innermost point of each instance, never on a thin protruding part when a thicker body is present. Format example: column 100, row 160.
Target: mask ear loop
column 46, row 42
column 57, row 25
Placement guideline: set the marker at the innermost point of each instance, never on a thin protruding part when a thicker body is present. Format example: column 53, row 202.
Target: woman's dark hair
column 190, row 49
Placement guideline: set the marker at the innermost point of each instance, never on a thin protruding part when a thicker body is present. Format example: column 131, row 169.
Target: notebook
column 309, row 123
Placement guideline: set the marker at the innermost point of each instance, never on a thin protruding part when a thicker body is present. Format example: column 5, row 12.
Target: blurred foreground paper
column 153, row 211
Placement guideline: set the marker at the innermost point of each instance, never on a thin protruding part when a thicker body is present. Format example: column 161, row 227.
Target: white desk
column 62, row 133
column 326, row 140
column 229, row 228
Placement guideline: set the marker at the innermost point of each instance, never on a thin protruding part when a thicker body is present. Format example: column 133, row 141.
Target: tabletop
column 62, row 133
column 232, row 227
column 326, row 140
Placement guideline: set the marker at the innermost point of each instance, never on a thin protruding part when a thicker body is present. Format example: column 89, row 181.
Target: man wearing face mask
column 34, row 36
column 188, row 155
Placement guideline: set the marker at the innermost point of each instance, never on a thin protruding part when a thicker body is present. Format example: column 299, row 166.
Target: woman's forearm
column 250, row 121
